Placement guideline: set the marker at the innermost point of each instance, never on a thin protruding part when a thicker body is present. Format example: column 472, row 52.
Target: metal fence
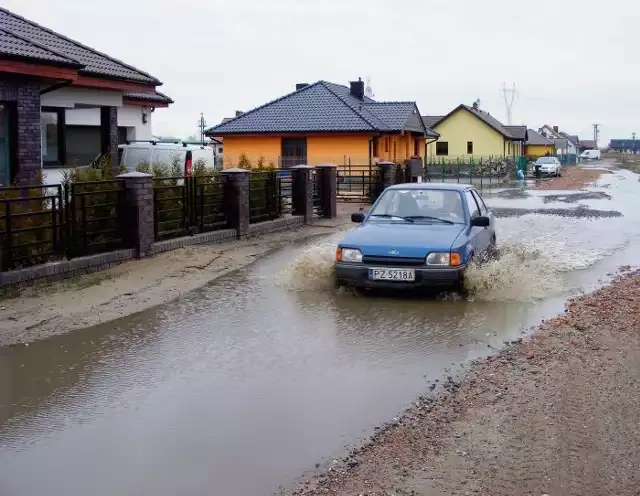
column 356, row 182
column 317, row 195
column 41, row 223
column 31, row 225
column 94, row 217
column 171, row 217
column 481, row 172
column 264, row 201
column 185, row 205
column 285, row 191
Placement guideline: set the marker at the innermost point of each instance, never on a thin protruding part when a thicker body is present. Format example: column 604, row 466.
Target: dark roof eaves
column 151, row 79
column 141, row 97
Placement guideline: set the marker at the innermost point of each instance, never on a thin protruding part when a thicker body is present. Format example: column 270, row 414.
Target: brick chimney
column 555, row 129
column 239, row 113
column 301, row 86
column 357, row 89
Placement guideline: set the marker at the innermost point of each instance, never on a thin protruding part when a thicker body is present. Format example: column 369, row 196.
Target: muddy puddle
column 243, row 385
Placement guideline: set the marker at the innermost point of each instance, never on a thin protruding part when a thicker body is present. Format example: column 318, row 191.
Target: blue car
column 418, row 235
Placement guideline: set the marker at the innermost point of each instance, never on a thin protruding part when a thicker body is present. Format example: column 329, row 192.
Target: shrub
column 244, row 162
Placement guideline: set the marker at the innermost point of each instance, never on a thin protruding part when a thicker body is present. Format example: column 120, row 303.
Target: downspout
column 426, row 147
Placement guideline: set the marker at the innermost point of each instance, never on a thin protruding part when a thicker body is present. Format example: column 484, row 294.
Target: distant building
column 467, row 132
column 537, row 145
column 324, row 123
column 625, row 145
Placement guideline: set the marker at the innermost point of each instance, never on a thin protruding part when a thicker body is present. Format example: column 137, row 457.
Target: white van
column 134, row 153
column 590, row 155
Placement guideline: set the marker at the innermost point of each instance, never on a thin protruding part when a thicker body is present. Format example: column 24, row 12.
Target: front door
column 5, row 137
column 294, row 152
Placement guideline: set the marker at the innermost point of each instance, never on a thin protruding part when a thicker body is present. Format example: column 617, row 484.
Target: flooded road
column 242, row 386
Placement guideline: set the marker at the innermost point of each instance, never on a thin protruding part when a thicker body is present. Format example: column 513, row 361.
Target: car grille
column 393, row 261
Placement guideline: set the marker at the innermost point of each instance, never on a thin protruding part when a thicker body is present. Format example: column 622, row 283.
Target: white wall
column 70, row 97
column 128, row 116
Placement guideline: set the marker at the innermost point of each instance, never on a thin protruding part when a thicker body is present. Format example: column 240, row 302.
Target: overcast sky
column 574, row 62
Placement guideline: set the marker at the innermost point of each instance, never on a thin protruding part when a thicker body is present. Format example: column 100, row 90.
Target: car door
column 476, row 234
column 484, row 211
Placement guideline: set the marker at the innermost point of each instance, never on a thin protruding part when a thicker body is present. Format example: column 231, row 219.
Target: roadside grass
column 629, row 162
column 76, row 283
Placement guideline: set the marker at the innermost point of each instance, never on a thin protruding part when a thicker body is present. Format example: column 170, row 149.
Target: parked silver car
column 549, row 166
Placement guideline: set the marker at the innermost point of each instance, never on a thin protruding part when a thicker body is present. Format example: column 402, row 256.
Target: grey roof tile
column 321, row 107
column 535, row 138
column 12, row 45
column 571, row 137
column 152, row 97
column 518, row 132
column 95, row 63
column 490, row 120
column 430, row 120
column 486, row 117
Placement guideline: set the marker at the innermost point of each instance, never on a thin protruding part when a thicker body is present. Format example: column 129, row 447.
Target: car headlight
column 443, row 259
column 351, row 255
column 438, row 258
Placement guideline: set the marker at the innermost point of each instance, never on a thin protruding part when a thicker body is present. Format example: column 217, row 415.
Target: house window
column 416, row 147
column 52, row 136
column 386, row 144
column 442, row 148
column 469, row 147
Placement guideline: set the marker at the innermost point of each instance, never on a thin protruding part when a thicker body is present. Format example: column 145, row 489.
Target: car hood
column 405, row 239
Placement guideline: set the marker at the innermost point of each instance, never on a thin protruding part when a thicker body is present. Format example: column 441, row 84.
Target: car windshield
column 420, row 205
column 546, row 160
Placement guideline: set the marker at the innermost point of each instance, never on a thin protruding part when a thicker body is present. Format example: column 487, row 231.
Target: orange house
column 324, row 123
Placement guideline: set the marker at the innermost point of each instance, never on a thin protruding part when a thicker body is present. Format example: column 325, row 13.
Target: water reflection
column 248, row 382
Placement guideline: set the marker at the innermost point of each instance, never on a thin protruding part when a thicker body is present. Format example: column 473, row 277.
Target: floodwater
column 243, row 385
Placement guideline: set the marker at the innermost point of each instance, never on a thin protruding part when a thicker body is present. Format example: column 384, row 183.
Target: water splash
column 311, row 270
column 519, row 273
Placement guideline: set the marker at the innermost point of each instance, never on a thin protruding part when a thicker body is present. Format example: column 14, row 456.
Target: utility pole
column 634, row 142
column 509, row 97
column 202, row 125
column 596, row 133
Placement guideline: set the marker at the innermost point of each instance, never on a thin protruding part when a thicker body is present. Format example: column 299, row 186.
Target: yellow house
column 470, row 133
column 537, row 145
column 324, row 123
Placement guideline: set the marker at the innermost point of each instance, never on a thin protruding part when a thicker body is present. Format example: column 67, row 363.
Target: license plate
column 400, row 275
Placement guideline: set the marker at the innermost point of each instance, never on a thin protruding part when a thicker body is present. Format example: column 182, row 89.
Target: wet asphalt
column 245, row 384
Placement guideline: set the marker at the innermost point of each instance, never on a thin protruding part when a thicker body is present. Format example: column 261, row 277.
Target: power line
column 509, row 97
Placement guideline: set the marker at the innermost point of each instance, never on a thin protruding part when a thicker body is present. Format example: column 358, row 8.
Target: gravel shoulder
column 50, row 309
column 573, row 177
column 557, row 414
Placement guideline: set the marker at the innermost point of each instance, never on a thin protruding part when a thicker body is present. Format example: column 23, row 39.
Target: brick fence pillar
column 386, row 178
column 109, row 134
column 236, row 199
column 302, row 191
column 139, row 220
column 328, row 177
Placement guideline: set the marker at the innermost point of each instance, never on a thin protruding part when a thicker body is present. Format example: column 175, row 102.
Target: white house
column 63, row 103
column 564, row 144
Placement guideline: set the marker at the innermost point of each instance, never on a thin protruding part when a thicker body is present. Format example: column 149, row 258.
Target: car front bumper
column 355, row 275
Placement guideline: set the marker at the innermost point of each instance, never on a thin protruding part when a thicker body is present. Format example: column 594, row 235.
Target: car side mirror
column 357, row 218
column 480, row 221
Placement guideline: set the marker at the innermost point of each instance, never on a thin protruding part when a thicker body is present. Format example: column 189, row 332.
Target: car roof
column 433, row 186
